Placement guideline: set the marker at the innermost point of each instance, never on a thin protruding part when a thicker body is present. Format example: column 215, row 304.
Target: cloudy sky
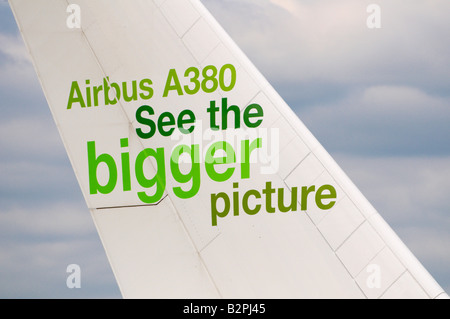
column 377, row 99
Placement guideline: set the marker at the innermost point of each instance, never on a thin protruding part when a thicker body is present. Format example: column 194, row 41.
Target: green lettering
column 248, row 114
column 211, row 161
column 193, row 79
column 214, row 212
column 222, row 77
column 88, row 94
column 246, row 150
column 268, row 191
column 293, row 206
column 245, row 206
column 166, row 119
column 145, row 121
column 133, row 96
column 305, row 192
column 97, row 90
column 159, row 179
column 93, row 163
column 193, row 174
column 75, row 96
column 169, row 86
column 225, row 110
column 212, row 110
column 126, row 176
column 209, row 78
column 236, row 200
column 320, row 196
column 145, row 85
column 186, row 117
column 107, row 88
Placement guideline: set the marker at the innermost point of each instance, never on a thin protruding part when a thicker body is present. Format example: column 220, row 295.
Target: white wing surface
column 201, row 181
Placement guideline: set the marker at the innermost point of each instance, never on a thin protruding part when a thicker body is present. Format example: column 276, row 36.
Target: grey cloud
column 37, row 269
column 28, row 184
column 15, row 64
column 38, row 244
column 31, row 138
column 51, row 220
column 34, row 167
column 404, row 188
column 329, row 41
column 7, row 23
column 393, row 120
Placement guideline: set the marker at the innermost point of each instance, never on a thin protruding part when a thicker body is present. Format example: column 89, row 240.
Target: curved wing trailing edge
column 201, row 181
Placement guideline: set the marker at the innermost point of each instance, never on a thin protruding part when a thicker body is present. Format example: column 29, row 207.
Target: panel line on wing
column 190, row 28
column 393, row 283
column 213, row 239
column 295, row 167
column 192, row 242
